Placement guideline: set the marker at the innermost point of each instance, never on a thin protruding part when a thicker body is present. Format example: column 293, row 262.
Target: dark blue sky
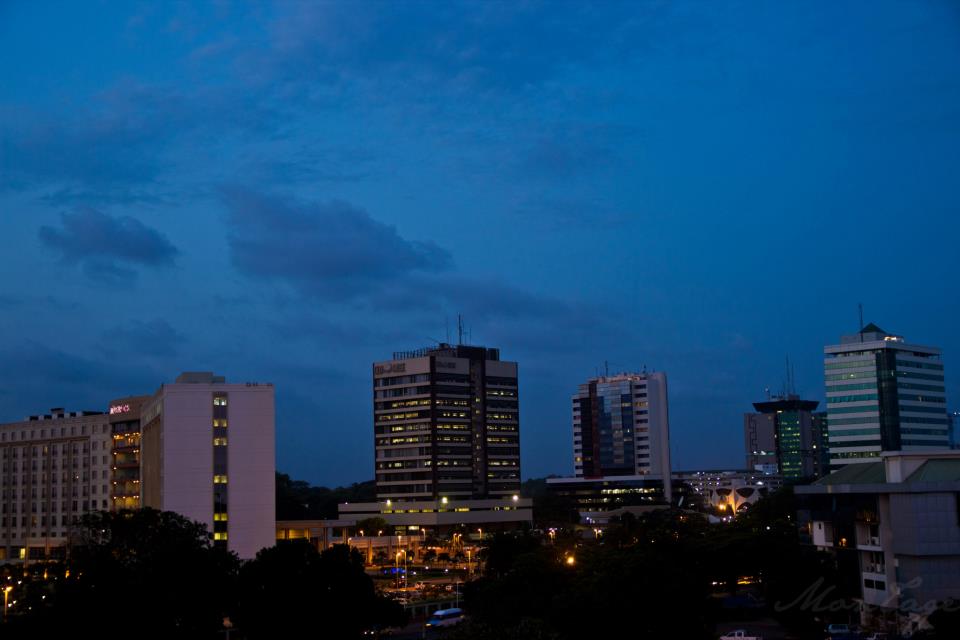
column 287, row 192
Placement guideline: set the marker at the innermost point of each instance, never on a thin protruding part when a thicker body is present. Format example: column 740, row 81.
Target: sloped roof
column 872, row 328
column 864, row 473
column 937, row 471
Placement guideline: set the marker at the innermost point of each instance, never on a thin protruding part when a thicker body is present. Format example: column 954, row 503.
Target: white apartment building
column 54, row 468
column 208, row 453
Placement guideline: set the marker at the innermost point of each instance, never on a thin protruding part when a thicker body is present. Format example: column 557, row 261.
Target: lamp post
column 6, row 595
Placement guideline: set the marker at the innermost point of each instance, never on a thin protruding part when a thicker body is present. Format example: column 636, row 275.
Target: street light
column 6, row 594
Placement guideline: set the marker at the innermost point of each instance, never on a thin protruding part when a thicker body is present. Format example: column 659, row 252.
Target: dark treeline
column 666, row 574
column 152, row 574
column 299, row 500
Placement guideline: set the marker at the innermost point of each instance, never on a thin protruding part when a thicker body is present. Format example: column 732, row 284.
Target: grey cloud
column 44, row 377
column 107, row 247
column 330, row 249
column 152, row 338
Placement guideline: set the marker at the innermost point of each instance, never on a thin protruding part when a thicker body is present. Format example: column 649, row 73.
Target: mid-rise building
column 124, row 417
column 54, row 468
column 892, row 527
column 207, row 452
column 621, row 426
column 787, row 433
column 446, row 425
column 883, row 394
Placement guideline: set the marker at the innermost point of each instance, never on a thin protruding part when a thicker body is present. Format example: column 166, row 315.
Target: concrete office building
column 883, row 394
column 54, row 468
column 207, row 452
column 446, row 425
column 891, row 525
column 786, row 433
column 445, row 515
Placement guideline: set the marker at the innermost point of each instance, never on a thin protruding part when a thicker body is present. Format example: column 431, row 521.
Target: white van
column 445, row 618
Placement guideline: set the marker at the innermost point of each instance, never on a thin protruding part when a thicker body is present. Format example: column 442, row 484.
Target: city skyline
column 210, row 188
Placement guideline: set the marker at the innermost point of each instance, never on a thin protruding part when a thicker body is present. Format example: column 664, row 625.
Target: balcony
column 868, row 537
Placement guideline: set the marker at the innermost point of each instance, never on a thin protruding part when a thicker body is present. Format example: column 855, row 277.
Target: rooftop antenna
column 606, row 369
column 459, row 329
column 446, row 326
column 860, row 307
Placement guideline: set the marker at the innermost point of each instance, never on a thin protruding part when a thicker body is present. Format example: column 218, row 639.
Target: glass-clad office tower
column 788, row 434
column 621, row 426
column 883, row 394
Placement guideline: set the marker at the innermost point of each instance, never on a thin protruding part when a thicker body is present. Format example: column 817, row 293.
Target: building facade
column 446, row 425
column 124, row 418
column 892, row 527
column 54, row 468
column 621, row 426
column 787, row 433
column 883, row 394
column 726, row 491
column 207, row 453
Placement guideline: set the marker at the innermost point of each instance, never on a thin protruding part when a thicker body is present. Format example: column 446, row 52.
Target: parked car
column 740, row 634
column 838, row 632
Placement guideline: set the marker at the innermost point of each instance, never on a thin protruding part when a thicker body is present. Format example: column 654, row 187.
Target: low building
column 598, row 500
column 730, row 491
column 445, row 515
column 892, row 526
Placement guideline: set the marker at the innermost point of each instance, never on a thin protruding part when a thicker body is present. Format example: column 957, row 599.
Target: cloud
column 152, row 338
column 331, row 250
column 107, row 247
column 44, row 377
column 558, row 213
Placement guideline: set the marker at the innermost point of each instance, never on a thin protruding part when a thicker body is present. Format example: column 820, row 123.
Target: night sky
column 287, row 192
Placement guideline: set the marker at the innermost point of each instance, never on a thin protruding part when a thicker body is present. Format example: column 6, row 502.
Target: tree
column 291, row 588
column 147, row 572
column 373, row 526
column 298, row 500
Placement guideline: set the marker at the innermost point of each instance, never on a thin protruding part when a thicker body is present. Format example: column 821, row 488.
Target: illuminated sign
column 119, row 408
column 396, row 367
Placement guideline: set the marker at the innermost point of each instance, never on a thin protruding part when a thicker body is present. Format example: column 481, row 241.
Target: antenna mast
column 459, row 329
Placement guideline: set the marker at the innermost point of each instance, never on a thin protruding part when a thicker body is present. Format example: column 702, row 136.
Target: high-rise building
column 621, row 426
column 788, row 434
column 446, row 425
column 54, row 468
column 207, row 452
column 883, row 394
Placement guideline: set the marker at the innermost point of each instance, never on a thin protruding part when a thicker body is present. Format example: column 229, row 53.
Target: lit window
column 219, row 517
column 219, row 442
column 220, row 535
column 220, row 479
